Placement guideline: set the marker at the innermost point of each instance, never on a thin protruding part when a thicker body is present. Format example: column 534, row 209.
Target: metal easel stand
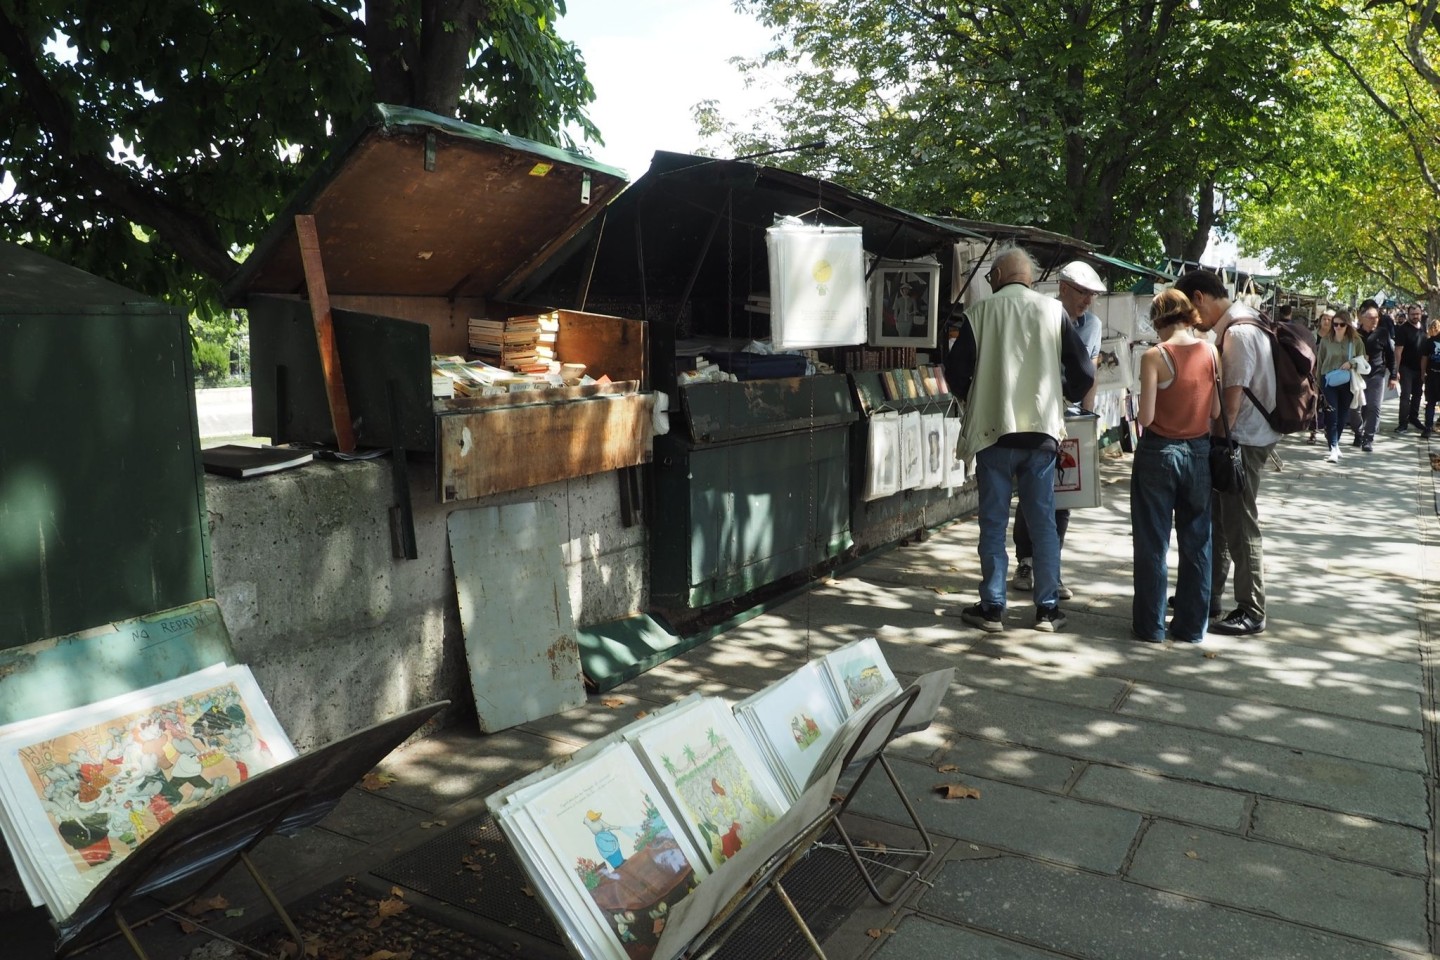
column 883, row 727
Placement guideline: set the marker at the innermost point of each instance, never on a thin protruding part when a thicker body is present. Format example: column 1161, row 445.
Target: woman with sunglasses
column 1333, row 363
column 1170, row 477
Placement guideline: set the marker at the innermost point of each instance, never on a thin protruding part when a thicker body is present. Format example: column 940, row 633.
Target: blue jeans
column 1337, row 411
column 1171, row 478
column 999, row 472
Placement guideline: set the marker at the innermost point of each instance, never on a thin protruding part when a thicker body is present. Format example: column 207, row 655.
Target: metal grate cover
column 471, row 867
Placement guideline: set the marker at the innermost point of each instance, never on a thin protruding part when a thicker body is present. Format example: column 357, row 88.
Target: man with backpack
column 1248, row 363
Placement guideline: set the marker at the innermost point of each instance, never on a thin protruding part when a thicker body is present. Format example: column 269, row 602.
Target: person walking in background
column 1079, row 285
column 1381, row 355
column 1015, row 360
column 1430, row 375
column 1235, row 516
column 1322, row 331
column 1409, row 344
column 1170, row 476
column 1333, row 365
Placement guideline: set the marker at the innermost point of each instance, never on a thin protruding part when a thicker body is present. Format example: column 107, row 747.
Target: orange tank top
column 1182, row 408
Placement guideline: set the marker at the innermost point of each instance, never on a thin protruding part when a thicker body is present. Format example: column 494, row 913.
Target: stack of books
column 548, row 338
column 508, row 343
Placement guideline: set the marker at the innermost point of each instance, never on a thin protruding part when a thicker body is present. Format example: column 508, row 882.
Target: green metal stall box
column 102, row 496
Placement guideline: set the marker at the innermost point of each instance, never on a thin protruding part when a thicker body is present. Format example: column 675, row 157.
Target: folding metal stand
column 883, row 727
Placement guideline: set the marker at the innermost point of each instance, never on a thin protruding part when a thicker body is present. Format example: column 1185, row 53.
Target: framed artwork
column 1112, row 366
column 904, row 303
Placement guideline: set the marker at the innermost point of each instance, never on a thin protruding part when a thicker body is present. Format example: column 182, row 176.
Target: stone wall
column 338, row 631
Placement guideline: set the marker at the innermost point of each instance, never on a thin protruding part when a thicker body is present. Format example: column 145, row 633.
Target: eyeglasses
column 990, row 278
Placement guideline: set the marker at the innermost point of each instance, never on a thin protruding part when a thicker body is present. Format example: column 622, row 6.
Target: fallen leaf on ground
column 187, row 927
column 374, row 780
column 875, row 845
column 1211, row 654
column 427, row 824
column 612, row 702
column 642, row 714
column 956, row 791
column 940, row 590
column 206, row 904
column 947, row 768
column 1192, row 854
column 237, row 912
column 389, row 955
column 875, row 933
column 385, row 910
column 400, row 891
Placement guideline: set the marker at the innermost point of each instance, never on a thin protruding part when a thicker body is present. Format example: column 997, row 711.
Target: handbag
column 1337, row 377
column 1227, row 468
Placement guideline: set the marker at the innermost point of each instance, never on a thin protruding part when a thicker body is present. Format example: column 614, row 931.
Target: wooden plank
column 325, row 332
column 511, row 448
column 606, row 345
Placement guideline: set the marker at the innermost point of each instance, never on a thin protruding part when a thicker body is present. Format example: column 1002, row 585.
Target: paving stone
column 1349, row 898
column 1354, row 838
column 1268, row 723
column 1105, row 918
column 1162, row 796
column 1014, row 818
column 1265, row 769
column 920, row 938
column 368, row 817
column 995, row 761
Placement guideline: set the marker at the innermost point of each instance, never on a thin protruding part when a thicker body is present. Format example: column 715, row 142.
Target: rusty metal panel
column 510, row 448
column 515, row 612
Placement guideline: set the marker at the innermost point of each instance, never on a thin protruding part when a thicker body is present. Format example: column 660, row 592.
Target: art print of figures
column 1112, row 366
column 720, row 784
column 87, row 787
column 608, row 827
column 904, row 308
column 796, row 717
column 1067, row 466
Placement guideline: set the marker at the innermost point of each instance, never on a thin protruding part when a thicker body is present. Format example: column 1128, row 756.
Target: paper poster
column 817, row 286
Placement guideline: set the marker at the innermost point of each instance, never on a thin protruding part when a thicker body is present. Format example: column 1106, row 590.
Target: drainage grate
column 471, row 867
column 339, row 926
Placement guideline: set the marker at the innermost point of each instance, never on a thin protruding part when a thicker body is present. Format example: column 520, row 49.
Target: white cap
column 1082, row 275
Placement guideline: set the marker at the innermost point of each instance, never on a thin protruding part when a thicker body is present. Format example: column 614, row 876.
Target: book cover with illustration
column 604, row 829
column 860, row 674
column 715, row 776
column 83, row 788
column 795, row 718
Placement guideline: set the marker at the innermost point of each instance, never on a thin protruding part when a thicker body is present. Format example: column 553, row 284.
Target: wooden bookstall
column 424, row 223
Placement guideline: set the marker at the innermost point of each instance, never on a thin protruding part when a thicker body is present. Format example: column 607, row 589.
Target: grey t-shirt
column 1246, row 361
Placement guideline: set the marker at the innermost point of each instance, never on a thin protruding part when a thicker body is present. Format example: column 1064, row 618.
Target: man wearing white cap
column 1079, row 285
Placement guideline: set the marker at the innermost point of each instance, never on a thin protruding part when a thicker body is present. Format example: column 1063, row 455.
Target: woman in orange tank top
column 1170, row 478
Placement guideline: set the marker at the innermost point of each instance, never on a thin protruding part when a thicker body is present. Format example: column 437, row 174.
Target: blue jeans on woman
column 1170, row 480
column 1337, row 411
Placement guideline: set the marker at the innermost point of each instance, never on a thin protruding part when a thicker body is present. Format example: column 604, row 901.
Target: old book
column 237, row 460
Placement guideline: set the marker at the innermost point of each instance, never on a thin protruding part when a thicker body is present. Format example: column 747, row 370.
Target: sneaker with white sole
column 1333, row 456
column 1065, row 593
column 991, row 620
column 1024, row 576
column 1050, row 619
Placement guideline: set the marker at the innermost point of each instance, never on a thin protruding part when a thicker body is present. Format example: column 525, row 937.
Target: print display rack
column 658, row 840
column 203, row 844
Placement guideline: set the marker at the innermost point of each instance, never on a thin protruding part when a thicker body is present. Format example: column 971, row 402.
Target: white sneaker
column 1333, row 456
column 1024, row 576
column 1065, row 592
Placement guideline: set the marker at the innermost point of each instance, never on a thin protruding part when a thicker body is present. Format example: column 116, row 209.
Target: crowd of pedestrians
column 1209, row 382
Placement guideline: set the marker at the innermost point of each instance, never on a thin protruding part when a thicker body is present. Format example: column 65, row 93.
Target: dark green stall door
column 102, row 509
column 754, row 486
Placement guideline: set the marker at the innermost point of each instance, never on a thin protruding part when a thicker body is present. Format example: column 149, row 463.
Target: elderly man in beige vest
column 1015, row 361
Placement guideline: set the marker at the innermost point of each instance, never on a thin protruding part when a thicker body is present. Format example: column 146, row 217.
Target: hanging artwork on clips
column 904, row 303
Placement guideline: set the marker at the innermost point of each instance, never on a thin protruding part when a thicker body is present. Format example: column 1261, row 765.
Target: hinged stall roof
column 416, row 204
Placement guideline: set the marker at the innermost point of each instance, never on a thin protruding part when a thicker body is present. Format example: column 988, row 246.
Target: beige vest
column 1017, row 387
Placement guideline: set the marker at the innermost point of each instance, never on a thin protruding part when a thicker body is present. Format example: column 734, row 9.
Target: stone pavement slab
column 1106, row 918
column 1341, row 835
column 919, row 938
column 1268, row 723
column 994, row 761
column 1349, row 898
column 1015, row 818
column 1237, row 764
column 1163, row 797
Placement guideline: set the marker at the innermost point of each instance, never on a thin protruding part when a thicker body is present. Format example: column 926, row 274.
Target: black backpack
column 1296, row 394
